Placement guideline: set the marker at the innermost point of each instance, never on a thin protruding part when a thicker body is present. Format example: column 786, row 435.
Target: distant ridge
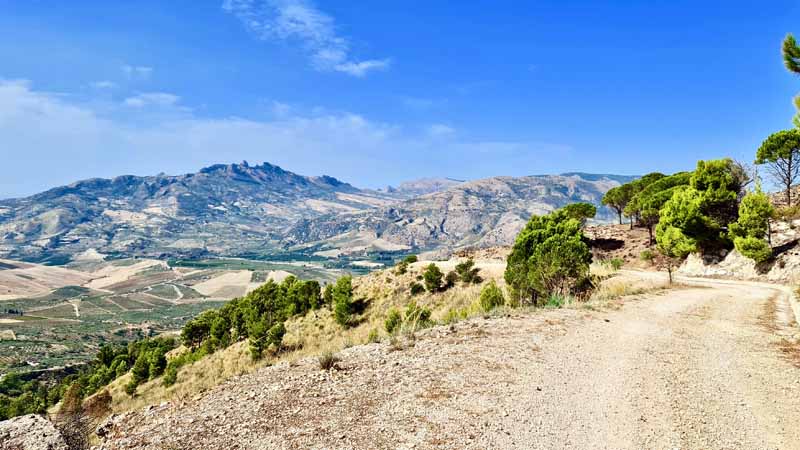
column 256, row 210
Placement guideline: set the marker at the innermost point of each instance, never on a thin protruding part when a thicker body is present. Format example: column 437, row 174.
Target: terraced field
column 50, row 321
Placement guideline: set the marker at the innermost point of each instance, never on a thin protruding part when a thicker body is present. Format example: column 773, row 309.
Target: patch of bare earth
column 689, row 368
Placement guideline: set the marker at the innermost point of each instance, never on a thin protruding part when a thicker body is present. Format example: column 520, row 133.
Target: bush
column 417, row 317
column 491, row 296
column 467, row 272
column 410, row 259
column 752, row 227
column 402, row 267
column 417, row 288
column 455, row 314
column 616, row 263
column 393, row 321
column 373, row 336
column 343, row 300
column 550, row 255
column 170, row 376
column 754, row 248
column 647, row 255
column 450, row 279
column 328, row 360
column 555, row 301
column 433, row 278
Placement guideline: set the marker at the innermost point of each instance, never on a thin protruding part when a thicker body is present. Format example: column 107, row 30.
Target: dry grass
column 328, row 360
column 314, row 334
column 317, row 333
column 192, row 379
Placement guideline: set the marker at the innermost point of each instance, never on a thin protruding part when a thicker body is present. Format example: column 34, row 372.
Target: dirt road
column 704, row 367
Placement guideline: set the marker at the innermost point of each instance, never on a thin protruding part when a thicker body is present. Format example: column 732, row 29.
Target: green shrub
column 450, row 279
column 170, row 376
column 555, row 301
column 433, row 278
column 373, row 336
column 417, row 289
column 130, row 388
column 550, row 255
column 754, row 248
column 393, row 321
column 616, row 263
column 402, row 267
column 467, row 272
column 751, row 229
column 327, row 295
column 417, row 317
column 491, row 296
column 410, row 259
column 647, row 255
column 455, row 314
column 343, row 300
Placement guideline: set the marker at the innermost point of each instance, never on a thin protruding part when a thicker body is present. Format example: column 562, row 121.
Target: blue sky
column 379, row 92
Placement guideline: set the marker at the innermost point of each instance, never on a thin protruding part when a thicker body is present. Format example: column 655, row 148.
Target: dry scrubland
column 317, row 333
column 701, row 366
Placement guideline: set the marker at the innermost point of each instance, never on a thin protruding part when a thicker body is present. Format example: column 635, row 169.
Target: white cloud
column 158, row 99
column 137, row 72
column 50, row 140
column 301, row 21
column 105, row 84
column 360, row 69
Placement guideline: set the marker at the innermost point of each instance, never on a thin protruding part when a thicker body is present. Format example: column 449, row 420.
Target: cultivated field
column 57, row 316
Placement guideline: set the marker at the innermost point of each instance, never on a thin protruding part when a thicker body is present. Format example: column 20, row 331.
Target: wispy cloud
column 104, row 84
column 440, row 130
column 301, row 21
column 137, row 72
column 161, row 99
column 65, row 140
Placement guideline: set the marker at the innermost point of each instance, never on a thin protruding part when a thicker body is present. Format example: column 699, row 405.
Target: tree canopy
column 550, row 256
column 780, row 152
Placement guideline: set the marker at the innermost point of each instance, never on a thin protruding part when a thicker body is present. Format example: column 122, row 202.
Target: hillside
column 243, row 210
column 422, row 186
column 559, row 375
column 481, row 213
column 222, row 209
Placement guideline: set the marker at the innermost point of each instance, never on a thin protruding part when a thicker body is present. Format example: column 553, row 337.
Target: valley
column 55, row 317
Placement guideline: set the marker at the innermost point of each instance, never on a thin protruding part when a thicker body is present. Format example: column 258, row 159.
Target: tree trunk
column 789, row 182
column 620, row 217
column 650, row 234
column 769, row 232
column 669, row 271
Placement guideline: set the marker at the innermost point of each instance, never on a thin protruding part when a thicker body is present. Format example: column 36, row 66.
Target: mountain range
column 244, row 210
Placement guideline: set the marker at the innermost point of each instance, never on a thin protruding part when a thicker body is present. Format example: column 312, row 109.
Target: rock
column 30, row 432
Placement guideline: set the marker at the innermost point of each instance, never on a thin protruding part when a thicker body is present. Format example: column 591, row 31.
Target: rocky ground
column 30, row 433
column 714, row 365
